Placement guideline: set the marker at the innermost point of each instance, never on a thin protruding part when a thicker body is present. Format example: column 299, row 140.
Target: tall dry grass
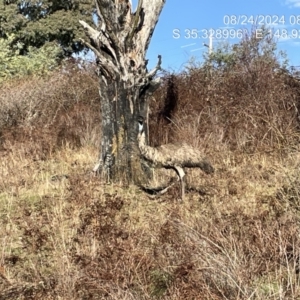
column 64, row 234
column 51, row 111
column 250, row 105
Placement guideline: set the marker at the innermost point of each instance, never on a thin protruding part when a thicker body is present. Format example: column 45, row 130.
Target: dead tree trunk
column 120, row 43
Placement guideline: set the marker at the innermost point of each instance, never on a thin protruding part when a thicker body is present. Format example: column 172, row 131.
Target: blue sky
column 226, row 16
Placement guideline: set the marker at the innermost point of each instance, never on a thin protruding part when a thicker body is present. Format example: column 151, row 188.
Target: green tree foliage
column 38, row 61
column 35, row 23
column 258, row 46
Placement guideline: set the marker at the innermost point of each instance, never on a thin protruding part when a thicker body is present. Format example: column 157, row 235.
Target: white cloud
column 293, row 3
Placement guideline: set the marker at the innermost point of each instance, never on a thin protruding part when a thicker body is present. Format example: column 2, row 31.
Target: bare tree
column 120, row 43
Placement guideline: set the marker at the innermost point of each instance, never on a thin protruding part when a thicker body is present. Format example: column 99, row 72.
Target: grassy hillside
column 65, row 234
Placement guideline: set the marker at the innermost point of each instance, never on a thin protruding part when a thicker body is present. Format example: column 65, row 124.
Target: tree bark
column 120, row 43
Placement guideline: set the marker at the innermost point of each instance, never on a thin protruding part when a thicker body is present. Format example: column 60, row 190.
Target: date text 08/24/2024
column 260, row 20
column 232, row 33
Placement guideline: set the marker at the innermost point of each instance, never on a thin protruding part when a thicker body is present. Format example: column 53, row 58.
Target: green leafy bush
column 38, row 61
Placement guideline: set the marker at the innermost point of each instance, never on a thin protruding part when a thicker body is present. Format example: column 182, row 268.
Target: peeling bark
column 120, row 43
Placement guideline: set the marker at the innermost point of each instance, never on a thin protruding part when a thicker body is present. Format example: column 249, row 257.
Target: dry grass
column 66, row 235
